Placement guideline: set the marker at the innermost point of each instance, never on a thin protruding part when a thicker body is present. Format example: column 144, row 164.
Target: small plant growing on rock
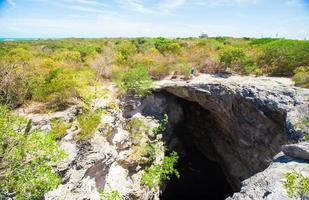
column 59, row 128
column 296, row 184
column 110, row 194
column 88, row 122
column 156, row 174
column 162, row 126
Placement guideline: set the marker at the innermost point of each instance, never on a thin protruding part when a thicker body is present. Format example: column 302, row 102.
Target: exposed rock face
column 245, row 122
column 300, row 150
column 239, row 122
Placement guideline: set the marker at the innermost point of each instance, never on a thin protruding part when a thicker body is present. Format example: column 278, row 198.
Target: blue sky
column 170, row 18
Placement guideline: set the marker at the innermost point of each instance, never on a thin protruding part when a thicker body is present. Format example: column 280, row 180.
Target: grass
column 88, row 122
column 59, row 128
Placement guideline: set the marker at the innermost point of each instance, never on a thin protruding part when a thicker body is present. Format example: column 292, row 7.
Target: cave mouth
column 200, row 177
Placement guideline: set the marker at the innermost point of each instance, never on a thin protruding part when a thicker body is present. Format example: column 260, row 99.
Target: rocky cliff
column 239, row 122
column 242, row 123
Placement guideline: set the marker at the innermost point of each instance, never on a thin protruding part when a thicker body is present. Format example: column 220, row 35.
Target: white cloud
column 226, row 2
column 11, row 2
column 171, row 4
column 146, row 7
column 136, row 5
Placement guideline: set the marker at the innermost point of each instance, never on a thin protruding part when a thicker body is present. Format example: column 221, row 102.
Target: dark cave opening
column 200, row 179
column 200, row 176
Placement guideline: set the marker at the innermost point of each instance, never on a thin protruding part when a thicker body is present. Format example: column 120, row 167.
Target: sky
column 168, row 18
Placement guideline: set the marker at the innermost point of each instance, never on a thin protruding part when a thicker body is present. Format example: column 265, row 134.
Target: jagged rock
column 119, row 138
column 248, row 118
column 299, row 150
column 269, row 184
column 99, row 103
column 118, row 179
column 239, row 122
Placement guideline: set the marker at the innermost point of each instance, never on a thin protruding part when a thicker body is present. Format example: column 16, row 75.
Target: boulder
column 299, row 150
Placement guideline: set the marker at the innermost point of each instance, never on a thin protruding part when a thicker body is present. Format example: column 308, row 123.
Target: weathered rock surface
column 239, row 122
column 269, row 184
column 246, row 122
column 299, row 150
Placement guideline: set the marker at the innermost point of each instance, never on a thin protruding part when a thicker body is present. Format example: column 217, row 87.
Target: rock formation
column 241, row 123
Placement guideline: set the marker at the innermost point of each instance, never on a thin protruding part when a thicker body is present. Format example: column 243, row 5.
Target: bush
column 124, row 53
column 88, row 123
column 26, row 159
column 155, row 175
column 230, row 56
column 282, row 57
column 164, row 45
column 135, row 81
column 14, row 84
column 59, row 128
column 296, row 184
column 66, row 55
column 56, row 88
column 162, row 126
column 301, row 77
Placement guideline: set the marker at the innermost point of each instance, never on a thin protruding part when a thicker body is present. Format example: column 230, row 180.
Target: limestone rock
column 299, row 150
column 269, row 184
column 249, row 118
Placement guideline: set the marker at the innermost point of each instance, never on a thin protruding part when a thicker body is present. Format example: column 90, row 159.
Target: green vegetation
column 162, row 126
column 296, row 184
column 301, row 77
column 156, row 174
column 110, row 194
column 136, row 81
column 26, row 158
column 88, row 123
column 137, row 128
column 59, row 128
column 55, row 71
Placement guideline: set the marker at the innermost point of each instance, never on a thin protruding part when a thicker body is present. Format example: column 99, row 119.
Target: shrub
column 26, row 159
column 59, row 128
column 230, row 56
column 136, row 81
column 183, row 69
column 162, row 126
column 164, row 45
column 56, row 88
column 301, row 77
column 88, row 122
column 86, row 50
column 14, row 84
column 296, row 184
column 282, row 57
column 103, row 62
column 67, row 55
column 155, row 175
column 124, row 53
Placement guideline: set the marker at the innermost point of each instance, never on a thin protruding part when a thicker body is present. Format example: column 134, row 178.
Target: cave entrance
column 201, row 177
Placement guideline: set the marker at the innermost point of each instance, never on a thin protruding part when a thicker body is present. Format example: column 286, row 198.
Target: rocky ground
column 261, row 116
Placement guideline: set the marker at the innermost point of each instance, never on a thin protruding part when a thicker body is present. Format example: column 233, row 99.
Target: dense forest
column 58, row 72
